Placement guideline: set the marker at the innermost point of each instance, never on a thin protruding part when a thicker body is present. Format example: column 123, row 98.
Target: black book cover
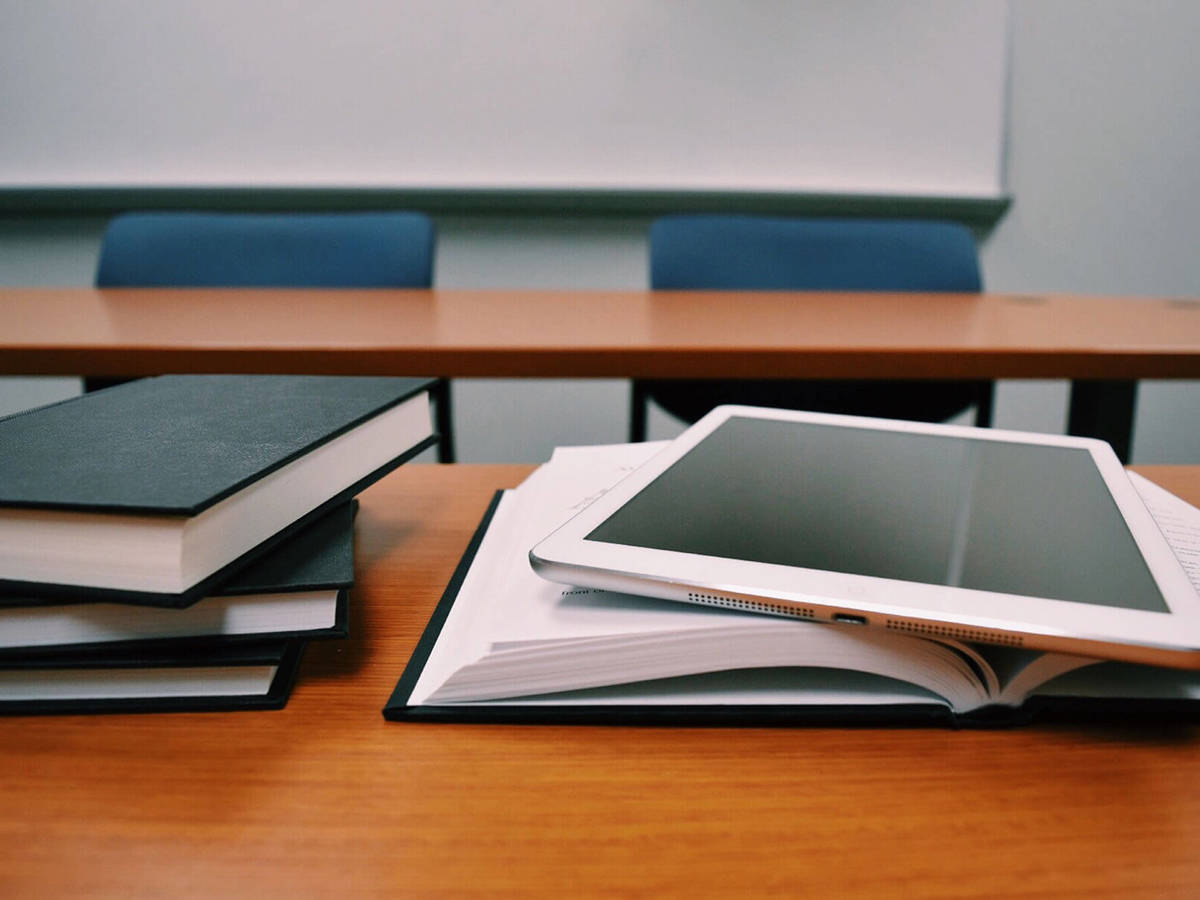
column 320, row 555
column 1036, row 709
column 175, row 445
column 285, row 655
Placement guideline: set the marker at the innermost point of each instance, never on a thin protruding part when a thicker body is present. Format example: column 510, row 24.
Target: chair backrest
column 384, row 249
column 728, row 252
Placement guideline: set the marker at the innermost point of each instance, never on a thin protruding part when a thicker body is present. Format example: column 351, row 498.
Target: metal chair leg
column 443, row 420
column 638, row 403
column 984, row 404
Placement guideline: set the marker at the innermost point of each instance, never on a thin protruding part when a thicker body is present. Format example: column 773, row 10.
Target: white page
column 82, row 623
column 771, row 643
column 508, row 621
column 790, row 687
column 502, row 599
column 462, row 638
column 532, row 608
column 503, row 604
column 1179, row 521
column 111, row 684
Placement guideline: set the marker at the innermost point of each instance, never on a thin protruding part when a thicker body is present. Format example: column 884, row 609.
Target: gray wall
column 628, row 93
column 1104, row 128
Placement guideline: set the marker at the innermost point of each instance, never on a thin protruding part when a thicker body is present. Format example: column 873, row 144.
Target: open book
column 507, row 645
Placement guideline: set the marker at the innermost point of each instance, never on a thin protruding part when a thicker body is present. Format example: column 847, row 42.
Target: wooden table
column 1102, row 344
column 325, row 798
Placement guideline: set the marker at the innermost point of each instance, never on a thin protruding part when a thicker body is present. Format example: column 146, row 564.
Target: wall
column 1103, row 132
column 629, row 94
column 1104, row 123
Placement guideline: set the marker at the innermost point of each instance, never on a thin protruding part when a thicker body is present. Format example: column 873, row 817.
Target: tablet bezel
column 1159, row 638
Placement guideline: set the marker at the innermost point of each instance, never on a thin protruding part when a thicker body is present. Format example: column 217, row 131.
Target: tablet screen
column 973, row 513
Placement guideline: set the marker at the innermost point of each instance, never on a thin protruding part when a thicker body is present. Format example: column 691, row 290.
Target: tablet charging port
column 848, row 619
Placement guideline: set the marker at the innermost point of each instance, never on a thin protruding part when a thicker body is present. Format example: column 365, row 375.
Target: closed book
column 155, row 679
column 504, row 645
column 158, row 490
column 298, row 589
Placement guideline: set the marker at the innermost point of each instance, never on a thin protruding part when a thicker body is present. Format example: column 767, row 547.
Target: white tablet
column 982, row 535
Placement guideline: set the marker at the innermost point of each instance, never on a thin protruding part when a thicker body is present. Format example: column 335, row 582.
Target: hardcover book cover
column 235, row 676
column 149, row 492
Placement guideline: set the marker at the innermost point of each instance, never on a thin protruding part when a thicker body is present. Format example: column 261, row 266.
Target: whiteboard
column 852, row 96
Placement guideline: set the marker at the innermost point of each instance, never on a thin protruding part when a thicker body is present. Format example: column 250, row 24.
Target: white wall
column 45, row 252
column 707, row 94
column 1104, row 126
column 1104, row 133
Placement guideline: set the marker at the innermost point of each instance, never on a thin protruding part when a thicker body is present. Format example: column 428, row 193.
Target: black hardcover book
column 163, row 679
column 835, row 675
column 298, row 589
column 158, row 490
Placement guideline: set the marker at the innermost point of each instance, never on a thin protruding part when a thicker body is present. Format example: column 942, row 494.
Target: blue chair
column 731, row 252
column 334, row 250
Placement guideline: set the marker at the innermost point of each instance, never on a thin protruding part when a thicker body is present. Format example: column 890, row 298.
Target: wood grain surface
column 325, row 798
column 70, row 331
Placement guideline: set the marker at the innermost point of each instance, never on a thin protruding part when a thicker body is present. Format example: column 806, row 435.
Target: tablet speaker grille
column 976, row 635
column 778, row 609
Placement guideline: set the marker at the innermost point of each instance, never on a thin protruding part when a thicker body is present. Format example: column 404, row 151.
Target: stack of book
column 172, row 543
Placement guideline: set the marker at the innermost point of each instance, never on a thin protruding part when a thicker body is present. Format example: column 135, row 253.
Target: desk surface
column 596, row 333
column 324, row 798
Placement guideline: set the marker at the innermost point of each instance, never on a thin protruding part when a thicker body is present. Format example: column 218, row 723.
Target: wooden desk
column 1103, row 344
column 324, row 798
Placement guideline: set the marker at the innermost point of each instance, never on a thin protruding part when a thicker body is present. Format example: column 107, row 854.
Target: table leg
column 1104, row 409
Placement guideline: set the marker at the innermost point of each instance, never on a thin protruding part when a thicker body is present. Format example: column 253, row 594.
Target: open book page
column 1019, row 672
column 1179, row 521
column 512, row 633
column 1024, row 672
column 741, row 688
column 769, row 644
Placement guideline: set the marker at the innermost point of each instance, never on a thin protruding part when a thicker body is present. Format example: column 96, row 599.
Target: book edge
column 340, row 629
column 209, row 584
column 287, row 662
column 433, row 628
